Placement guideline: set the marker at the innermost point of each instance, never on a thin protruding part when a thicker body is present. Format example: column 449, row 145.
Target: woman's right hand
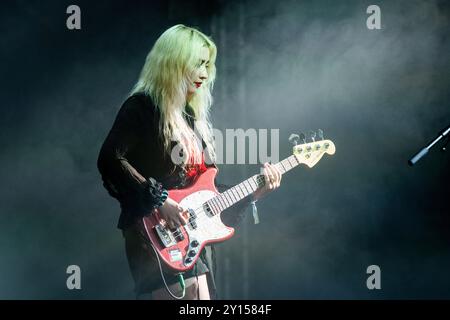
column 173, row 214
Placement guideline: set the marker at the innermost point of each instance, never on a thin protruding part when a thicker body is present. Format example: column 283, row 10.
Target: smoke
column 379, row 95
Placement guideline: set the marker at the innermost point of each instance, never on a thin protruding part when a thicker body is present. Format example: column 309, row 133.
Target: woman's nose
column 203, row 74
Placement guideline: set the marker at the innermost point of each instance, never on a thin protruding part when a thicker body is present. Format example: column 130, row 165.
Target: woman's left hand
column 272, row 177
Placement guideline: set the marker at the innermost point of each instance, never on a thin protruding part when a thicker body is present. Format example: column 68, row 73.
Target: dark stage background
column 380, row 95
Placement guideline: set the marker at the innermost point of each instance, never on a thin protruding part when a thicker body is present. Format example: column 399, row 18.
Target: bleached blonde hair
column 165, row 77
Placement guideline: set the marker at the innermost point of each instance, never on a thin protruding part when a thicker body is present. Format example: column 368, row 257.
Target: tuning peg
column 312, row 134
column 320, row 133
column 293, row 138
column 303, row 137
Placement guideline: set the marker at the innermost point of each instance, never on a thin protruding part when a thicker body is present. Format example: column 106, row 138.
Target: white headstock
column 310, row 153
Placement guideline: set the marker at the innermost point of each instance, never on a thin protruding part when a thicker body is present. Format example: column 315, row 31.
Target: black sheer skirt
column 145, row 269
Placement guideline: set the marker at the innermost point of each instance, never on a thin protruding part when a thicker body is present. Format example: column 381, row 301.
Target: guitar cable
column 179, row 275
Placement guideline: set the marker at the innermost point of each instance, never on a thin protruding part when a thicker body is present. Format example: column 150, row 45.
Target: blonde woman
column 138, row 163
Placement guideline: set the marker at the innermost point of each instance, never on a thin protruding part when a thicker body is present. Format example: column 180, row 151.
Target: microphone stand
column 424, row 151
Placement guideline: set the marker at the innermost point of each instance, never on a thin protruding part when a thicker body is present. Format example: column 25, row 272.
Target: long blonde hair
column 165, row 77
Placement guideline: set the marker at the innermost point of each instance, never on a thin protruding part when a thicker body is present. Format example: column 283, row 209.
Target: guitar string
column 260, row 178
column 198, row 211
column 201, row 218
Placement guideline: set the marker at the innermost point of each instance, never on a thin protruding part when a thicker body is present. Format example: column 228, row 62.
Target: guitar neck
column 247, row 187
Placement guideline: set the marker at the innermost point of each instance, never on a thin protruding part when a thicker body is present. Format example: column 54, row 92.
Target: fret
column 262, row 180
column 249, row 186
column 252, row 184
column 212, row 206
column 228, row 198
column 290, row 162
column 252, row 187
column 231, row 194
column 289, row 159
column 238, row 190
column 244, row 194
column 255, row 180
column 258, row 181
column 225, row 200
column 217, row 204
column 246, row 191
column 234, row 194
column 236, row 198
column 285, row 165
column 280, row 167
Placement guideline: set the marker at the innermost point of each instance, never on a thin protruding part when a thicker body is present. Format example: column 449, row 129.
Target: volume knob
column 194, row 243
column 191, row 253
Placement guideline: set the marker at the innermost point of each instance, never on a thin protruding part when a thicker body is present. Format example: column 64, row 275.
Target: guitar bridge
column 166, row 237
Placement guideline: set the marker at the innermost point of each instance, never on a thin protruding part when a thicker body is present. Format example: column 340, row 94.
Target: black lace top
column 134, row 166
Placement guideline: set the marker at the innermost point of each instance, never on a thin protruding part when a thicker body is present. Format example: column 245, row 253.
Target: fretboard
column 231, row 196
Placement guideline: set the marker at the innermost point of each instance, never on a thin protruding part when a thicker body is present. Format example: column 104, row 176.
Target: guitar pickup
column 207, row 209
column 192, row 223
column 192, row 217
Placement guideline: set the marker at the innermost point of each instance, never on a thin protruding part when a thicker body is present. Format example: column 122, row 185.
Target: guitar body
column 180, row 249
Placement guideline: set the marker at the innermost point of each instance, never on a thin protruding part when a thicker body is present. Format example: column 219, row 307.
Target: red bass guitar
column 180, row 248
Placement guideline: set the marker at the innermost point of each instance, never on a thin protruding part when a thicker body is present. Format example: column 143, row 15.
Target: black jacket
column 134, row 166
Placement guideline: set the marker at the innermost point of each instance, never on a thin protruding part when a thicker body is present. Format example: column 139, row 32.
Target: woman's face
column 200, row 73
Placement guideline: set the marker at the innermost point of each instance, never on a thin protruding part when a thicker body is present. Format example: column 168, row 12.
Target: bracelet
column 254, row 210
column 162, row 198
